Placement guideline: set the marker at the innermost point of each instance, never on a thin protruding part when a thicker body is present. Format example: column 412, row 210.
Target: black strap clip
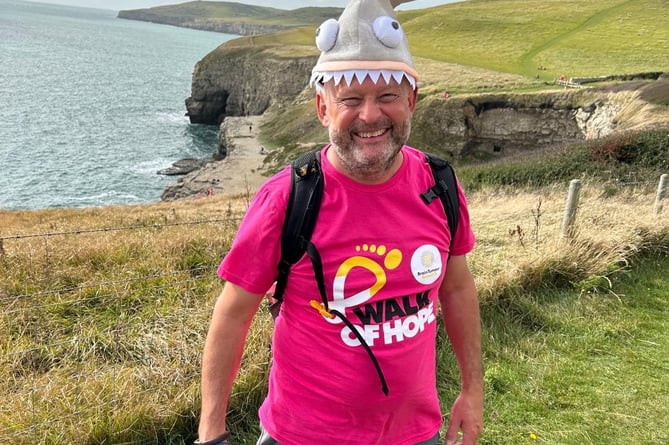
column 435, row 191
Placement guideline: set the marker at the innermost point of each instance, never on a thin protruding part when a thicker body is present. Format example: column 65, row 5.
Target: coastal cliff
column 231, row 17
column 201, row 23
column 505, row 124
column 241, row 81
column 243, row 78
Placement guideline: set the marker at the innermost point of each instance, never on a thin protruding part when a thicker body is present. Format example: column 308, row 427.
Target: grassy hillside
column 522, row 37
column 103, row 311
column 228, row 12
column 574, row 38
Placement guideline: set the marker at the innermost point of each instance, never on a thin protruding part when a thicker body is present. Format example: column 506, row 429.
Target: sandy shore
column 238, row 173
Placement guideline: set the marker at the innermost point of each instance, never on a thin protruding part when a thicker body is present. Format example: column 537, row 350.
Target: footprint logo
column 388, row 260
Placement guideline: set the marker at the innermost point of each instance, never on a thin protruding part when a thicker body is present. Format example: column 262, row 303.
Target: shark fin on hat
column 366, row 41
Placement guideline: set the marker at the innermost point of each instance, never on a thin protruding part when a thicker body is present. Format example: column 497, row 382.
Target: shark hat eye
column 326, row 35
column 388, row 31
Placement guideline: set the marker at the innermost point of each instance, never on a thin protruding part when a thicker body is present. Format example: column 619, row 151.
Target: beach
column 240, row 172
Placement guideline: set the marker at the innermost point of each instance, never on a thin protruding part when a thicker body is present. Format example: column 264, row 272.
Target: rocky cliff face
column 495, row 124
column 504, row 124
column 234, row 82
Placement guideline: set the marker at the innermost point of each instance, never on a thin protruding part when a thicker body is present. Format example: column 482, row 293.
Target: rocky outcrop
column 501, row 128
column 185, row 166
column 598, row 119
column 497, row 124
column 239, row 82
column 240, row 172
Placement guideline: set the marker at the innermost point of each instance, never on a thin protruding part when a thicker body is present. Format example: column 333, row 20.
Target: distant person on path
column 388, row 265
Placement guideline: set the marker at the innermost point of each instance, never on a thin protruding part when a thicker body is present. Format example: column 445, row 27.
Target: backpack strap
column 446, row 188
column 306, row 192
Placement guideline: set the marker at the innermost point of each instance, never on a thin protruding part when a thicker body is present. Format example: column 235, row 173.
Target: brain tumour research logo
column 426, row 264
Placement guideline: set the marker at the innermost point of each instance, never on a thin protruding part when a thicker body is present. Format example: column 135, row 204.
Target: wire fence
column 111, row 354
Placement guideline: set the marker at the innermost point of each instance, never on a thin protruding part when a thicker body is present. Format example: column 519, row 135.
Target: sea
column 92, row 106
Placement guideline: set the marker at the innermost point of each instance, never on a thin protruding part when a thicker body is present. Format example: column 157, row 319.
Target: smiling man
column 358, row 365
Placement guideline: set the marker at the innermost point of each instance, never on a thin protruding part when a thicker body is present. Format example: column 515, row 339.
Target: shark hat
column 366, row 41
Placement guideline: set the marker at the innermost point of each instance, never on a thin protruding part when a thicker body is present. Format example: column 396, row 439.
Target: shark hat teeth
column 366, row 41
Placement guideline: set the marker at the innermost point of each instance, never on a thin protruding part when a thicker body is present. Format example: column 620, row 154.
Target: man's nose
column 370, row 111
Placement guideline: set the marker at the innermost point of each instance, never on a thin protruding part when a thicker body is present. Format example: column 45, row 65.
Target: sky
column 284, row 4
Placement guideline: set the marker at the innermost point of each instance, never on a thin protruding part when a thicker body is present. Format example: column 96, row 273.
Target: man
column 388, row 263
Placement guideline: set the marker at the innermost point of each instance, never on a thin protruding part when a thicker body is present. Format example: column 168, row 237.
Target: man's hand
column 466, row 416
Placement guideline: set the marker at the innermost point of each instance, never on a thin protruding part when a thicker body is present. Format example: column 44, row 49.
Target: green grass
column 577, row 368
column 573, row 38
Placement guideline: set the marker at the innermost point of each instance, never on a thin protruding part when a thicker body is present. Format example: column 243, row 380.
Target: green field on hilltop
column 575, row 38
column 238, row 13
column 571, row 38
column 527, row 37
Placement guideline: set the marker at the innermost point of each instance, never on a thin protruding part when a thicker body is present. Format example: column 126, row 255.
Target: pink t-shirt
column 384, row 253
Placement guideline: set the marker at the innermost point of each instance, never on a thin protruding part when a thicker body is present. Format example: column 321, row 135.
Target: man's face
column 368, row 124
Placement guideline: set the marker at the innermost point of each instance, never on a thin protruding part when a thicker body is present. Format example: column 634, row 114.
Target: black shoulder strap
column 446, row 189
column 306, row 192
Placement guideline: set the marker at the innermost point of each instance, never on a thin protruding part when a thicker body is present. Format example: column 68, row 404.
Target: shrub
column 619, row 147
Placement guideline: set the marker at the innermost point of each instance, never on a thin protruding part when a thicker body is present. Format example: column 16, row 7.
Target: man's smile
column 371, row 134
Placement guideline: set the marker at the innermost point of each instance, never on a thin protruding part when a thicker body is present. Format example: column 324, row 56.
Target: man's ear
column 413, row 98
column 321, row 109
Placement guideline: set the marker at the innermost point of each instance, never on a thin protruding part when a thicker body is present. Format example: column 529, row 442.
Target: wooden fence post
column 661, row 190
column 570, row 209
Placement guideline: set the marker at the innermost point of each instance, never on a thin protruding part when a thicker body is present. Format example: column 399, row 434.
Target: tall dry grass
column 520, row 242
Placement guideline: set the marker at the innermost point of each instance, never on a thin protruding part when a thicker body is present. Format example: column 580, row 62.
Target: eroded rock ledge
column 234, row 81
